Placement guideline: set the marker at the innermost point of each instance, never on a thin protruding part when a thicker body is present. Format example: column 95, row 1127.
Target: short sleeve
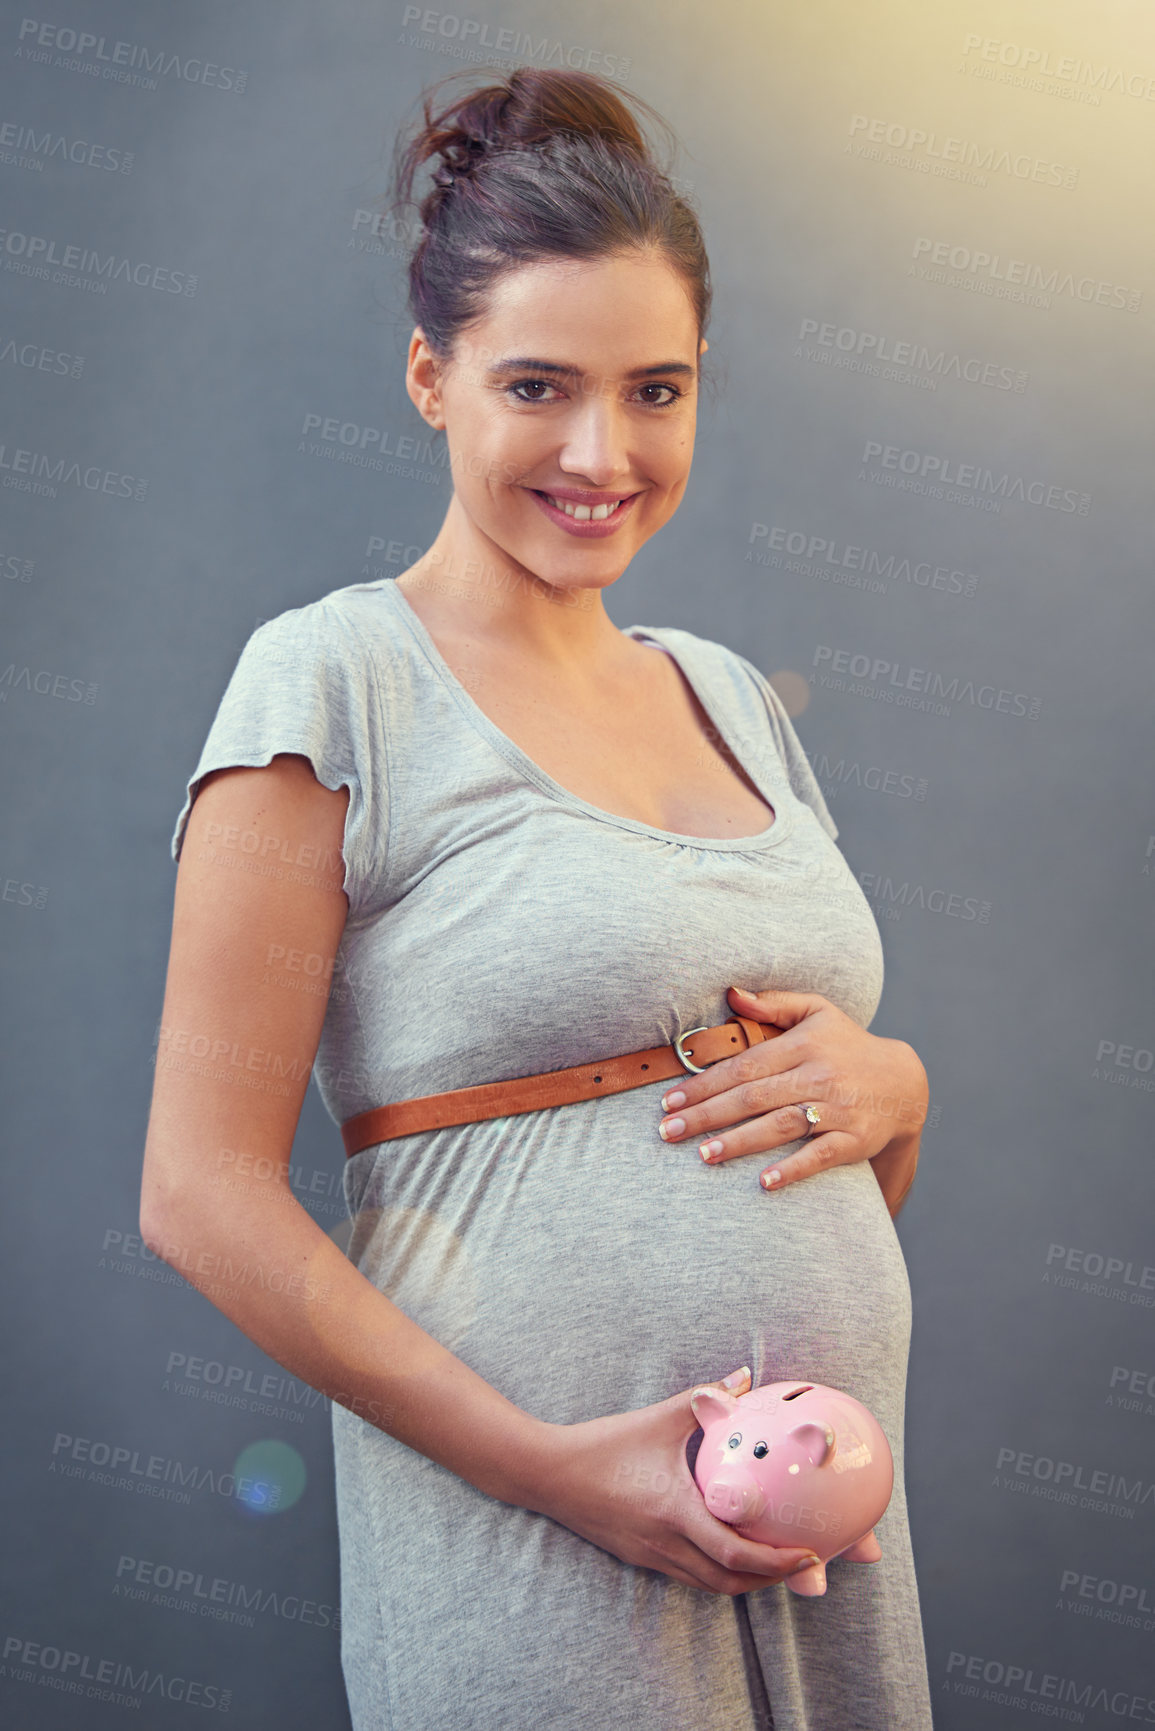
column 305, row 683
column 803, row 780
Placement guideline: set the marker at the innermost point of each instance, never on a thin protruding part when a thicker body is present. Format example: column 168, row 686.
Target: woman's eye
column 537, row 388
column 672, row 397
column 539, row 391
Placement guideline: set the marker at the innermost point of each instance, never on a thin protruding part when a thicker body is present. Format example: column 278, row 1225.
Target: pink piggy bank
column 795, row 1463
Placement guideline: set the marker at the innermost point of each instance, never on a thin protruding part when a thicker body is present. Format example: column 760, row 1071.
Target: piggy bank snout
column 734, row 1495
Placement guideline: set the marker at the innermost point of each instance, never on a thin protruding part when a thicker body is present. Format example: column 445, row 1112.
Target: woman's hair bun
column 533, row 107
column 542, row 163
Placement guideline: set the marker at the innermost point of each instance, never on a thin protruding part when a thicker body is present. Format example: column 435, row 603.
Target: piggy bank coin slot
column 795, row 1392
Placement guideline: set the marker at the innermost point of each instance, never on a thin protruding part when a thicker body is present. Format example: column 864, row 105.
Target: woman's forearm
column 276, row 1274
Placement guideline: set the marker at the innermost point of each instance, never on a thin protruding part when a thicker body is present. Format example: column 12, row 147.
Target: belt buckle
column 695, row 1069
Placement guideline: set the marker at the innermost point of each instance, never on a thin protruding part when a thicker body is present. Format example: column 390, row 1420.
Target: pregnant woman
column 455, row 828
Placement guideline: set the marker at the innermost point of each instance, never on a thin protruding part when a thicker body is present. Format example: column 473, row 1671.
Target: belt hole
column 597, row 1078
column 645, row 1066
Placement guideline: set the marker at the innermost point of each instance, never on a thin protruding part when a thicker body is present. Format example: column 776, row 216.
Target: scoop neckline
column 774, row 790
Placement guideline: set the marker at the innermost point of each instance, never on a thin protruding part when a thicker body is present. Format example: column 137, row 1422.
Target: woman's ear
column 703, row 345
column 423, row 380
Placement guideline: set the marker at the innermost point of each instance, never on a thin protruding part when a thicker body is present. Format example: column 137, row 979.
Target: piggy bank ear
column 710, row 1404
column 816, row 1441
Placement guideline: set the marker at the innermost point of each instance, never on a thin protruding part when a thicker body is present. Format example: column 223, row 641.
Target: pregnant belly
column 581, row 1266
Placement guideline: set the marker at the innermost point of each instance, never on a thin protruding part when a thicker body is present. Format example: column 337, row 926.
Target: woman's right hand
column 623, row 1483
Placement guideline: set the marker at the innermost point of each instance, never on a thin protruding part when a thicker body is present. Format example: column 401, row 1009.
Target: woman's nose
column 595, row 442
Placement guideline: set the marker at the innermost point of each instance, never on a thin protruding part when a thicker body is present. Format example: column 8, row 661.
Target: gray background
column 1005, row 842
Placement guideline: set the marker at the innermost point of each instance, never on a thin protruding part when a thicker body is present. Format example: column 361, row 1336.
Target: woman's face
column 577, row 389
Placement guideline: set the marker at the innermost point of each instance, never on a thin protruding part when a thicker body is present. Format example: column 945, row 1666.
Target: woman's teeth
column 584, row 513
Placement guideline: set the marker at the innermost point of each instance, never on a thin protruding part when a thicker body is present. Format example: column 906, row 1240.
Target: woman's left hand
column 871, row 1093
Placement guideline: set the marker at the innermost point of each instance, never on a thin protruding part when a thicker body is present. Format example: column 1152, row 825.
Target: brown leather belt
column 554, row 1087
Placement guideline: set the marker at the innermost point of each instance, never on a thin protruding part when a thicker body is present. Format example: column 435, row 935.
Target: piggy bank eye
column 760, row 1449
column 735, row 1440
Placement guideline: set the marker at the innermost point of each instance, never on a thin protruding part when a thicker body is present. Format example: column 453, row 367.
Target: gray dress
column 500, row 926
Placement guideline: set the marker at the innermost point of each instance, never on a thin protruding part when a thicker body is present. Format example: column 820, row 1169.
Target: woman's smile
column 586, row 515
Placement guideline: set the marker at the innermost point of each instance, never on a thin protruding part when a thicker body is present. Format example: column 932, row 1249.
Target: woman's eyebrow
column 529, row 363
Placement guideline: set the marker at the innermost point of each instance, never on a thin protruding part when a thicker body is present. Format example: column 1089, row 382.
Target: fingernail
column 736, row 1377
column 709, row 1149
column 769, row 1179
column 672, row 1127
column 806, row 1563
column 670, row 1101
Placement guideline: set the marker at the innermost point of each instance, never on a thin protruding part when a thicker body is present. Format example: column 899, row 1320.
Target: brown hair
column 545, row 164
